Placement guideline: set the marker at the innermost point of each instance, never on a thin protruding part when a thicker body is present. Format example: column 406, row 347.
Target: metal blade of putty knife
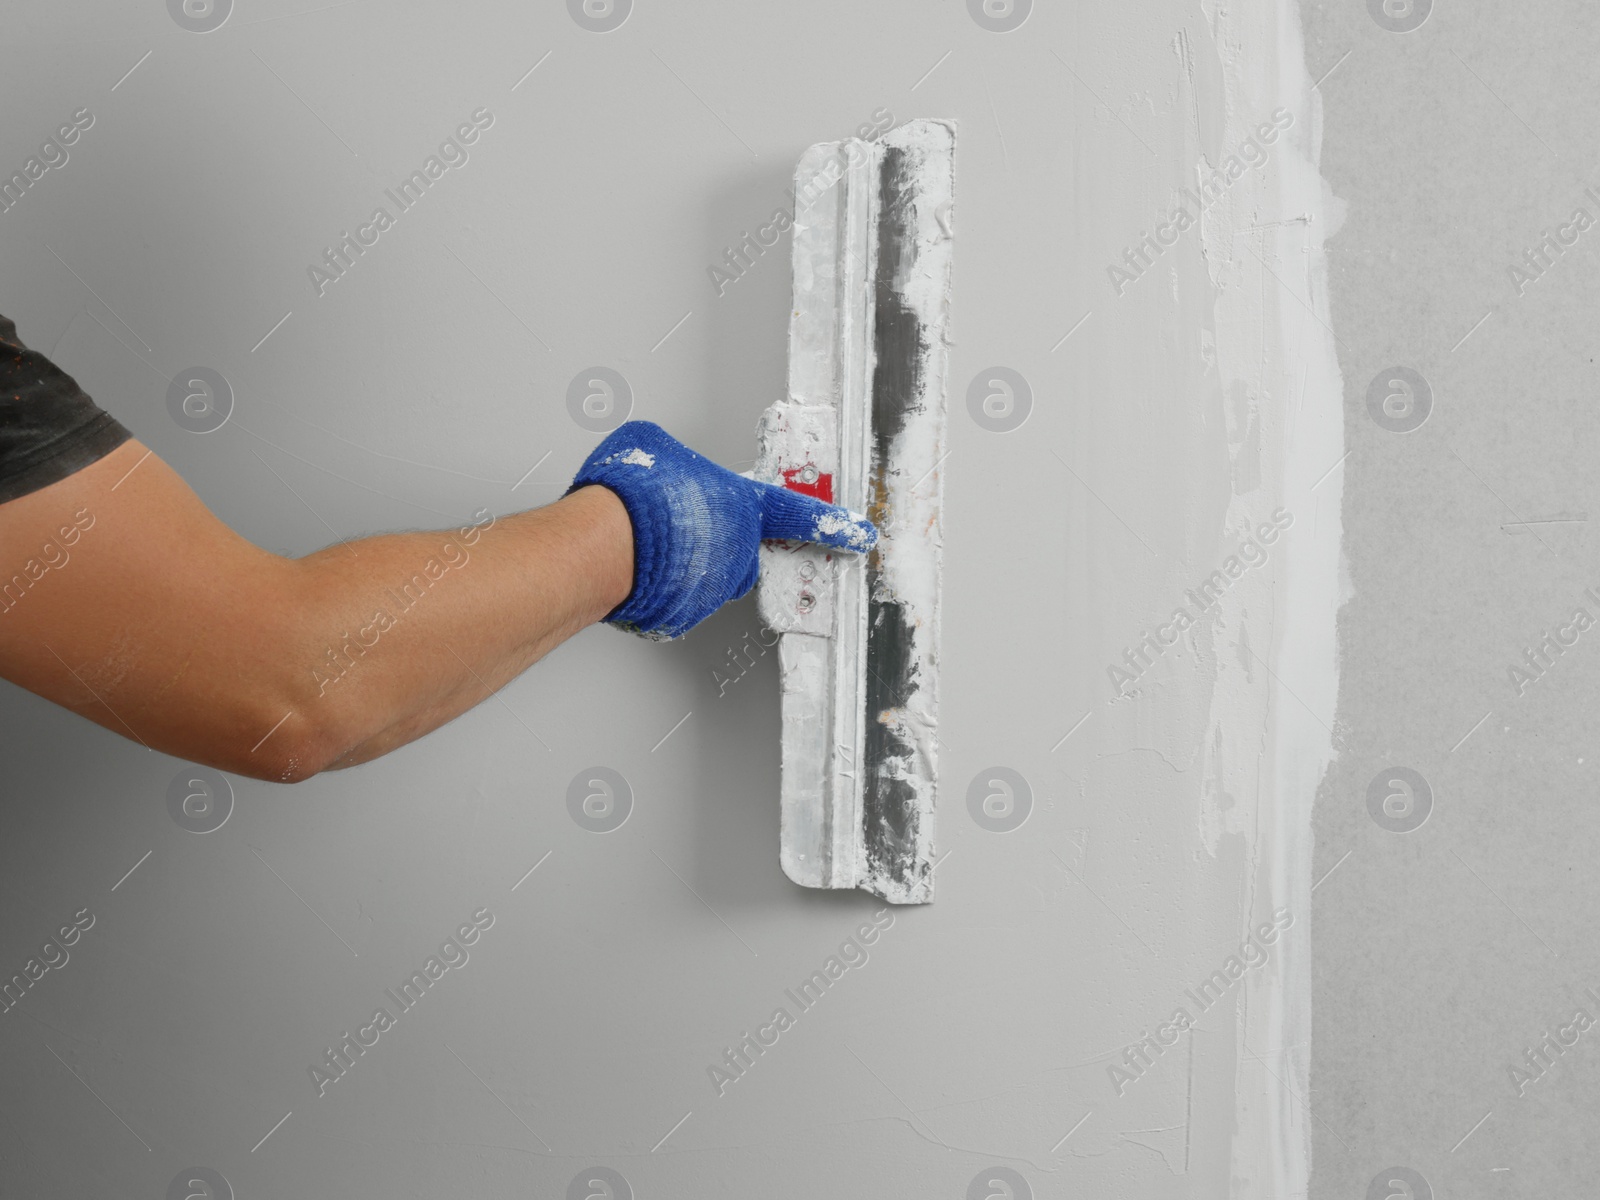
column 863, row 425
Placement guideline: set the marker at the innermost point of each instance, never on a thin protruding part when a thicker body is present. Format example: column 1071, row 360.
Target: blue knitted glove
column 697, row 527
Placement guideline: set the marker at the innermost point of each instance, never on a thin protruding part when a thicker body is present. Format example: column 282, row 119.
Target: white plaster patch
column 1269, row 738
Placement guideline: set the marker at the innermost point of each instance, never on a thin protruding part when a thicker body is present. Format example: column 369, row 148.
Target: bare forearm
column 400, row 633
column 158, row 621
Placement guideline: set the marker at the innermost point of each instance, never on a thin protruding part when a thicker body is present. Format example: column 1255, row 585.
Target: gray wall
column 432, row 379
column 1446, row 948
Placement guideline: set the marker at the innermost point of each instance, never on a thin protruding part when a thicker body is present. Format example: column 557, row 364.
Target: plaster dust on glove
column 831, row 524
column 863, row 427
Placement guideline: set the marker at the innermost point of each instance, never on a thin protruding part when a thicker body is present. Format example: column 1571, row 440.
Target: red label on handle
column 821, row 487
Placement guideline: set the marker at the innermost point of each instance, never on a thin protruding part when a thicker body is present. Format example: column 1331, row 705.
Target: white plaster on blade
column 911, row 544
column 813, row 596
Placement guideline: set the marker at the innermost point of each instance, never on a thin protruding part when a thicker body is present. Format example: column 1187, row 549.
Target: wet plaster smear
column 1109, row 994
column 1194, row 771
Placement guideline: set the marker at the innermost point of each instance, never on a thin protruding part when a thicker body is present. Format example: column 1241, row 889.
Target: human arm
column 139, row 609
column 164, row 625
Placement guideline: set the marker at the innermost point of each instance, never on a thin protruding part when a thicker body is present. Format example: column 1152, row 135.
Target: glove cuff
column 652, row 541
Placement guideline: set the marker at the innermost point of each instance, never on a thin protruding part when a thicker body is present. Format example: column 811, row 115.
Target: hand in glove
column 697, row 527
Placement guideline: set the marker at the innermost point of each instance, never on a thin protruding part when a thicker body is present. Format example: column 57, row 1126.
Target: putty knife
column 864, row 426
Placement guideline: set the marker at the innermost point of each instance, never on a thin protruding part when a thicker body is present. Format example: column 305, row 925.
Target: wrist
column 613, row 556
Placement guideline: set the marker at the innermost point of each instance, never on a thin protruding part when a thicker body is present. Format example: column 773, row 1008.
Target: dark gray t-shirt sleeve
column 49, row 427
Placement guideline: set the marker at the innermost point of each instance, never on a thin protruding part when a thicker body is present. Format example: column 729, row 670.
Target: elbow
column 275, row 745
column 291, row 767
column 297, row 747
column 281, row 721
